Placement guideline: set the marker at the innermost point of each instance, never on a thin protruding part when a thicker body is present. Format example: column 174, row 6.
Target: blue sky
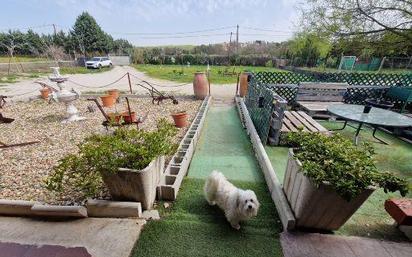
column 271, row 20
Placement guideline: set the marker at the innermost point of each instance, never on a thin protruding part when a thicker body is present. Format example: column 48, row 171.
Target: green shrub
column 99, row 154
column 347, row 168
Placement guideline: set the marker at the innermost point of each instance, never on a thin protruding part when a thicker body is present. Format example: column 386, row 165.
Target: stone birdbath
column 65, row 96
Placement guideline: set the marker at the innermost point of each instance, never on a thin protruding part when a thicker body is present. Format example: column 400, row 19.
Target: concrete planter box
column 136, row 185
column 320, row 208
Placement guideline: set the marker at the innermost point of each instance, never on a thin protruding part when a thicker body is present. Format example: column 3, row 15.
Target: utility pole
column 54, row 29
column 237, row 38
column 230, row 47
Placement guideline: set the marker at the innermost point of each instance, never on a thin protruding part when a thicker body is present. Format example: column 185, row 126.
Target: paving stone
column 151, row 215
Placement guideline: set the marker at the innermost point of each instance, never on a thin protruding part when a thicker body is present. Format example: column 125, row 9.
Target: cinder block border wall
column 275, row 188
column 177, row 168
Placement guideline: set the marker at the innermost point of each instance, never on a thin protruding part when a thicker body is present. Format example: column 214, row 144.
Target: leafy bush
column 99, row 154
column 347, row 168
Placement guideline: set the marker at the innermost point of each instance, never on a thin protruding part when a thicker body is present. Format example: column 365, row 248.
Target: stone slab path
column 98, row 237
column 24, row 250
column 320, row 245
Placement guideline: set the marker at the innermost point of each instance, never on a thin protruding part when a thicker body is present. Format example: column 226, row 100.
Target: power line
column 261, row 34
column 27, row 28
column 267, row 30
column 187, row 36
column 174, row 33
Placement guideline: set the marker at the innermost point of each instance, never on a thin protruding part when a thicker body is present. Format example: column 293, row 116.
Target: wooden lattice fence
column 362, row 85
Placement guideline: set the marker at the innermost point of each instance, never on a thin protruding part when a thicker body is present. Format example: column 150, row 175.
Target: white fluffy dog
column 237, row 204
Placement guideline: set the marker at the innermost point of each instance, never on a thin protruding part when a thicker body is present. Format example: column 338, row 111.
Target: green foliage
column 347, row 168
column 99, row 154
column 309, row 47
column 86, row 37
column 89, row 35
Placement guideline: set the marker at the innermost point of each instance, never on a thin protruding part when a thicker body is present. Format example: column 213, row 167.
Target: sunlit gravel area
column 23, row 169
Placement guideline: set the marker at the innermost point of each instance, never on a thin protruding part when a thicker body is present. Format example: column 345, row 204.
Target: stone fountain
column 65, row 96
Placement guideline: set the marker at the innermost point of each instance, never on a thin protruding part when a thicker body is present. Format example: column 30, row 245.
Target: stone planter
column 319, row 208
column 136, row 185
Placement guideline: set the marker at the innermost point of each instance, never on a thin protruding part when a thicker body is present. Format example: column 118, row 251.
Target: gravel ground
column 23, row 169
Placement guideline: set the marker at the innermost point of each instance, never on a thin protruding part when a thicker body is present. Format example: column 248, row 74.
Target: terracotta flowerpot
column 129, row 118
column 45, row 93
column 136, row 185
column 180, row 119
column 317, row 207
column 243, row 84
column 108, row 100
column 114, row 92
column 200, row 85
column 115, row 117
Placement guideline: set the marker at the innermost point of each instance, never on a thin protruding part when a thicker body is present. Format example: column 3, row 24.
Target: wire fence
column 154, row 84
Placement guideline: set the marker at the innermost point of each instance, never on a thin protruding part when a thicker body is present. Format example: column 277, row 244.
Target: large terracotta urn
column 200, row 85
column 243, row 84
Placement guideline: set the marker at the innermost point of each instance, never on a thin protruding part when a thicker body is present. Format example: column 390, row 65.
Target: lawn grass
column 193, row 228
column 5, row 59
column 371, row 220
column 13, row 78
column 175, row 73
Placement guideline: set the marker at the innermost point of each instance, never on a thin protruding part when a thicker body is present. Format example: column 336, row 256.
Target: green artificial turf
column 225, row 146
column 278, row 156
column 371, row 220
column 193, row 228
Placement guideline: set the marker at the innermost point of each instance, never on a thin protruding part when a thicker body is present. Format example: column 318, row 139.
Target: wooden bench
column 283, row 121
column 315, row 97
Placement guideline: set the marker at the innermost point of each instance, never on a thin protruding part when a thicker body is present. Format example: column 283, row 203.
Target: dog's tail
column 211, row 186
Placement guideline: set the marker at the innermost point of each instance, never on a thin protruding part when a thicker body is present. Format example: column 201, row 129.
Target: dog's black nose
column 250, row 206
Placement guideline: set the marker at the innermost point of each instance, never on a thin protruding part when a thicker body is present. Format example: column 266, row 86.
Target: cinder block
column 113, row 209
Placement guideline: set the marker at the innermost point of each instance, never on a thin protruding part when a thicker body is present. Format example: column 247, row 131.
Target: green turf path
column 225, row 146
column 193, row 228
column 371, row 220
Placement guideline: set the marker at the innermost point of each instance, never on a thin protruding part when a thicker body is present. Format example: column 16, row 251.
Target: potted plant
column 45, row 93
column 328, row 178
column 115, row 117
column 180, row 119
column 129, row 162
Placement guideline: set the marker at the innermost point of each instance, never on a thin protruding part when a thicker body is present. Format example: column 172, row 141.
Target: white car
column 99, row 62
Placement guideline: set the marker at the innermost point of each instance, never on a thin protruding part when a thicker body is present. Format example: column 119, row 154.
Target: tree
column 122, row 46
column 308, row 48
column 356, row 17
column 89, row 36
